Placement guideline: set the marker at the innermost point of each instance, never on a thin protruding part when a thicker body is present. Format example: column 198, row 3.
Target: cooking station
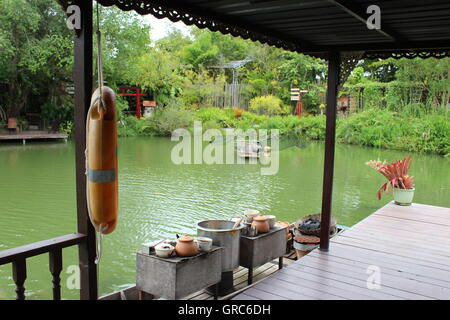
column 176, row 277
column 258, row 250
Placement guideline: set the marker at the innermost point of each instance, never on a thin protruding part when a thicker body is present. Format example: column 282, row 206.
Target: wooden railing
column 18, row 257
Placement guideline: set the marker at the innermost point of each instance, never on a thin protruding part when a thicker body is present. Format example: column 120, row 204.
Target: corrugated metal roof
column 312, row 26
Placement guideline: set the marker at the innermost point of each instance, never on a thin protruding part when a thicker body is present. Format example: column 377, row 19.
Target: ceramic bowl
column 271, row 220
column 164, row 250
column 250, row 214
column 204, row 243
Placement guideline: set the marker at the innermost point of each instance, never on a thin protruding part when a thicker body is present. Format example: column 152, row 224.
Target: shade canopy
column 409, row 28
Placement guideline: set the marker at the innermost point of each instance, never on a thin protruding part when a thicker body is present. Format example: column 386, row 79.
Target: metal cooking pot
column 224, row 236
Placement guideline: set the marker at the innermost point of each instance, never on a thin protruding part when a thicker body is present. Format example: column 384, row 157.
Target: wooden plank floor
column 409, row 246
column 240, row 276
column 32, row 135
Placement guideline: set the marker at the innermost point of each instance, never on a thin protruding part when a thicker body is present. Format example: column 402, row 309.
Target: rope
column 100, row 103
column 100, row 62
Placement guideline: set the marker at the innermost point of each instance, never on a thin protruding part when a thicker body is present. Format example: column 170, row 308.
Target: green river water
column 159, row 199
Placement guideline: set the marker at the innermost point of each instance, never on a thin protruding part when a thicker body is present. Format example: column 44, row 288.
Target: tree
column 158, row 71
column 431, row 75
column 174, row 42
column 35, row 51
column 201, row 52
column 125, row 38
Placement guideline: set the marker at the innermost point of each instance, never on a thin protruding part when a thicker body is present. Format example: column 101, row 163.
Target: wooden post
column 138, row 103
column 83, row 91
column 19, row 268
column 332, row 93
column 56, row 265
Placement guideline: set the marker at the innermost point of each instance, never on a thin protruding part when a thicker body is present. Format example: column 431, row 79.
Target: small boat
column 249, row 155
column 249, row 150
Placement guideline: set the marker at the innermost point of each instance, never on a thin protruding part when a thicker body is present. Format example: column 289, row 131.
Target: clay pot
column 186, row 247
column 261, row 224
column 283, row 224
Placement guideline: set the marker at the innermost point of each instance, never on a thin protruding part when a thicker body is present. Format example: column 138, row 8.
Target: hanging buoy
column 101, row 161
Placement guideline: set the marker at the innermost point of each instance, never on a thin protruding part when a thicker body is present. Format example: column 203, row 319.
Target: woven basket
column 315, row 232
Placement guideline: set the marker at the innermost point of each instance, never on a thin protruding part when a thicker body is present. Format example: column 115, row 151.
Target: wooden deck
column 32, row 135
column 409, row 246
column 240, row 276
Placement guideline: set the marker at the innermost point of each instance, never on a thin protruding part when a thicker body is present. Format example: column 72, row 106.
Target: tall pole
column 83, row 91
column 138, row 103
column 332, row 94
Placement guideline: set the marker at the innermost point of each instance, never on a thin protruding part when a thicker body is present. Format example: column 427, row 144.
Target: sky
column 160, row 27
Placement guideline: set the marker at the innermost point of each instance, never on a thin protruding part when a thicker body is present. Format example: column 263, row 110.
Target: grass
column 372, row 127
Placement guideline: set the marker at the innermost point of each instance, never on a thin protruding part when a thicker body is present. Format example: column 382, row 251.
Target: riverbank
column 372, row 127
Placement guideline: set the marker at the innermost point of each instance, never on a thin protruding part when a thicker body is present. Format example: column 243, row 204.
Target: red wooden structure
column 299, row 107
column 137, row 93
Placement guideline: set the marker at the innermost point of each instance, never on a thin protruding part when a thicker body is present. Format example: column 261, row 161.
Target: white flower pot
column 403, row 197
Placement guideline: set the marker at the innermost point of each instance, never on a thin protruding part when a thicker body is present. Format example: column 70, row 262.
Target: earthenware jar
column 261, row 224
column 186, row 247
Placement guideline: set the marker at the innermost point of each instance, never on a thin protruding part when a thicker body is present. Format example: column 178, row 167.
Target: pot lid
column 185, row 238
column 260, row 218
column 283, row 223
column 307, row 239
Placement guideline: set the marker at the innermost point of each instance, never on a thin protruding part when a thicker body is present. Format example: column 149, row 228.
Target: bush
column 372, row 127
column 268, row 105
column 313, row 127
column 121, row 106
column 131, row 127
column 67, row 127
column 386, row 129
column 166, row 120
column 210, row 114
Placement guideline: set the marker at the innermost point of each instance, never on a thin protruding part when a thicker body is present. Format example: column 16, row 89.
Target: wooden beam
column 334, row 61
column 83, row 91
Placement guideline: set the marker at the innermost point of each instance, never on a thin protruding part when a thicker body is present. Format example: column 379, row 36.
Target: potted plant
column 397, row 175
column 237, row 113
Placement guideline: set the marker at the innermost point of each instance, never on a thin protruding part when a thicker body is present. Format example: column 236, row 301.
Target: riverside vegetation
column 404, row 106
column 372, row 127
